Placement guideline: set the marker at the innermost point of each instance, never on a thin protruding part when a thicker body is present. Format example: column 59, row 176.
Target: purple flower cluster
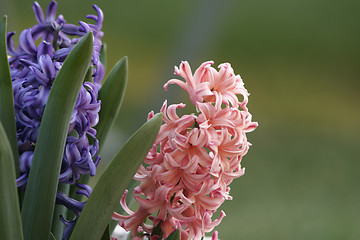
column 33, row 69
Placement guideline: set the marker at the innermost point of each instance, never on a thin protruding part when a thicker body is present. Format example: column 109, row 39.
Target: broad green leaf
column 106, row 235
column 113, row 182
column 39, row 200
column 7, row 112
column 10, row 221
column 174, row 235
column 129, row 200
column 111, row 95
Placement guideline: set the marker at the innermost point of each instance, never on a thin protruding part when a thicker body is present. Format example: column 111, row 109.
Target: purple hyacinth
column 33, row 69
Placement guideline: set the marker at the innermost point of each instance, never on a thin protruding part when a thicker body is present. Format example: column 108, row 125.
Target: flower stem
column 57, row 226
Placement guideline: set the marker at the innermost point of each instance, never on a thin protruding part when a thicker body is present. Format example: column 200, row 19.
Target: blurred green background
column 300, row 62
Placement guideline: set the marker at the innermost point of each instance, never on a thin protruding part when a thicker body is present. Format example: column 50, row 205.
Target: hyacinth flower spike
column 194, row 158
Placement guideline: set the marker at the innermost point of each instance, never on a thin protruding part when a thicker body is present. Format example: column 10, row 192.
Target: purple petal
column 10, row 44
column 60, row 20
column 85, row 190
column 25, row 161
column 66, row 41
column 42, row 98
column 97, row 160
column 27, row 42
column 45, row 48
column 34, row 134
column 25, row 119
column 39, row 76
column 71, row 29
column 62, row 53
column 68, row 202
column 47, row 66
column 72, row 153
column 48, row 35
column 39, row 15
column 93, row 17
column 100, row 73
column 65, row 176
column 84, row 27
column 22, row 180
column 26, row 71
column 39, row 30
column 91, row 132
column 74, row 205
column 92, row 168
column 69, row 226
column 100, row 17
column 28, row 63
column 51, row 12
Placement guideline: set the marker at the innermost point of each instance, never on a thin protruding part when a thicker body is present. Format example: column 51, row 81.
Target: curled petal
column 40, row 76
column 99, row 18
column 10, row 44
column 22, row 180
column 27, row 42
column 47, row 66
column 84, row 27
column 85, row 190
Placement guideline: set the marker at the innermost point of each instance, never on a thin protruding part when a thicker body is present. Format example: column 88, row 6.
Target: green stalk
column 58, row 227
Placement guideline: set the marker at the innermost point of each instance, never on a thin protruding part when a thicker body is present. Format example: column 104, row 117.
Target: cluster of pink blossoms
column 194, row 158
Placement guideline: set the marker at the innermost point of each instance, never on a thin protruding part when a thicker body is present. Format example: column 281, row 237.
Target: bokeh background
column 299, row 60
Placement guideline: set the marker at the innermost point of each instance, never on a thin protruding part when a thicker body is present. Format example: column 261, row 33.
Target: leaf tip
column 3, row 20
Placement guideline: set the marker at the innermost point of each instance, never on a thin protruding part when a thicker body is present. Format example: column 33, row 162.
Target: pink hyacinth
column 194, row 158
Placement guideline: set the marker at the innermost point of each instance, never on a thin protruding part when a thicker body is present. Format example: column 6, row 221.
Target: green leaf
column 113, row 182
column 52, row 237
column 39, row 200
column 106, row 235
column 7, row 112
column 129, row 200
column 174, row 235
column 111, row 95
column 103, row 55
column 10, row 221
column 88, row 76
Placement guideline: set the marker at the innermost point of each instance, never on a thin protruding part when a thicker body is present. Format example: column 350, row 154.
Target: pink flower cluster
column 194, row 158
